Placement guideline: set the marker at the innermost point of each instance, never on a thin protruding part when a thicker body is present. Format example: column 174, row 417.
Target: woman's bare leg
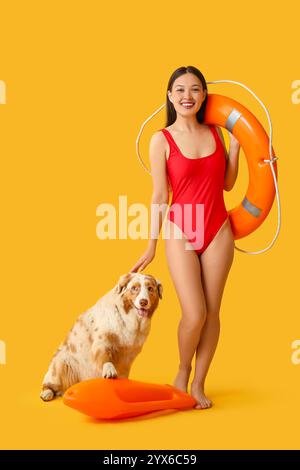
column 185, row 269
column 216, row 262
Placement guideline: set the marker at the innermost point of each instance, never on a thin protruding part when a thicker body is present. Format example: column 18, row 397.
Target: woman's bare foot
column 197, row 391
column 182, row 379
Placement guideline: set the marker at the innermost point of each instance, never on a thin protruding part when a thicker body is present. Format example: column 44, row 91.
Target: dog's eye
column 134, row 288
column 150, row 289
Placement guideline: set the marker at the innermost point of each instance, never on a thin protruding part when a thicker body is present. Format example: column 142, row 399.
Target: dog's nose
column 143, row 302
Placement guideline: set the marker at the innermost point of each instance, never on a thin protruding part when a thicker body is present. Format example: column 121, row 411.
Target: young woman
column 191, row 158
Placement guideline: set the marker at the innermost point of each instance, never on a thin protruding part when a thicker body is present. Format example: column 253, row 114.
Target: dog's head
column 140, row 292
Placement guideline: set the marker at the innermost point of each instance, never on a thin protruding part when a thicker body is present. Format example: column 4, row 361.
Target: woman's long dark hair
column 171, row 113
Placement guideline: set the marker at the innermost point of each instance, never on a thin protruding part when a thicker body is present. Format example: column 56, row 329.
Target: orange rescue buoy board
column 256, row 205
column 123, row 398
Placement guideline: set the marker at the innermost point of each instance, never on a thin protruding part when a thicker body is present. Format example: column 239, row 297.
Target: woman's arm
column 160, row 193
column 232, row 160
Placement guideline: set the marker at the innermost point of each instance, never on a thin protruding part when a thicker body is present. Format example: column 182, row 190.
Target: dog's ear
column 159, row 288
column 123, row 281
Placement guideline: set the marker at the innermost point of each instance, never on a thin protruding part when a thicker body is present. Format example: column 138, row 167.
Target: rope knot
column 273, row 159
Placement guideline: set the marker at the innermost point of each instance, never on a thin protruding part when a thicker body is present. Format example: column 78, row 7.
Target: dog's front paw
column 109, row 371
column 47, row 394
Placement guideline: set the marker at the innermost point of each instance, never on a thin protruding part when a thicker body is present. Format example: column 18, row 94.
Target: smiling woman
column 189, row 156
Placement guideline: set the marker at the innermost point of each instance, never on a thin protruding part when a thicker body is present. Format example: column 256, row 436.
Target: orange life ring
column 256, row 205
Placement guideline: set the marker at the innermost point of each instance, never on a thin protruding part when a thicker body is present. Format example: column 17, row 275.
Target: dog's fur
column 106, row 338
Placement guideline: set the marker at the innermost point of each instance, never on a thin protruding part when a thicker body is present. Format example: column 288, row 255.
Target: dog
column 107, row 337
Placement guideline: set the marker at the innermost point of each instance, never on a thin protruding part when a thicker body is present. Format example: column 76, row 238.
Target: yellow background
column 81, row 78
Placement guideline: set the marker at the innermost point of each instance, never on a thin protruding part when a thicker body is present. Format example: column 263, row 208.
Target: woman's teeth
column 187, row 105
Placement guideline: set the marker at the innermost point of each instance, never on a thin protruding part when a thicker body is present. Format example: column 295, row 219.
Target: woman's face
column 187, row 94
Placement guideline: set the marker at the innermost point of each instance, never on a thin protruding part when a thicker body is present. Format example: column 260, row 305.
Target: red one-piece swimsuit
column 197, row 206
